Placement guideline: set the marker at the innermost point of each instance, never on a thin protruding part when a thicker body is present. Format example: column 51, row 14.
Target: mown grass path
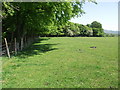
column 64, row 62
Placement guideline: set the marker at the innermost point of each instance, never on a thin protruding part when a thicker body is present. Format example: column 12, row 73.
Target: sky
column 105, row 12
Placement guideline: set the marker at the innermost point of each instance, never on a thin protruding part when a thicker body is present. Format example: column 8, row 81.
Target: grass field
column 64, row 62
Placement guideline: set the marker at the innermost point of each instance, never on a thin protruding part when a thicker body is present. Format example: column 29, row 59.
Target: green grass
column 64, row 62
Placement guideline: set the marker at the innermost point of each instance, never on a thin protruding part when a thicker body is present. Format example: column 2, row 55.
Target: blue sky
column 104, row 12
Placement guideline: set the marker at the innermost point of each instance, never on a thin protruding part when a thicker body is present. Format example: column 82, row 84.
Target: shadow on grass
column 36, row 49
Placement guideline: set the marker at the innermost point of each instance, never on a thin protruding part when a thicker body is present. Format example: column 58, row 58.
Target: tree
column 96, row 24
column 97, row 29
column 89, row 25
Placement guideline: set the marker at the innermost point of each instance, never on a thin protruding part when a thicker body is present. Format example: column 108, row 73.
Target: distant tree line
column 110, row 35
column 74, row 29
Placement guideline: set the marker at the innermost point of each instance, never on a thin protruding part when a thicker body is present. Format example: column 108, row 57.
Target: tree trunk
column 21, row 43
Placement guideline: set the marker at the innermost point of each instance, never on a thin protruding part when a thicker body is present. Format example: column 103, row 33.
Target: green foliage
column 37, row 18
column 86, row 31
column 96, row 24
column 25, row 19
column 110, row 35
column 7, row 9
column 89, row 25
column 97, row 29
